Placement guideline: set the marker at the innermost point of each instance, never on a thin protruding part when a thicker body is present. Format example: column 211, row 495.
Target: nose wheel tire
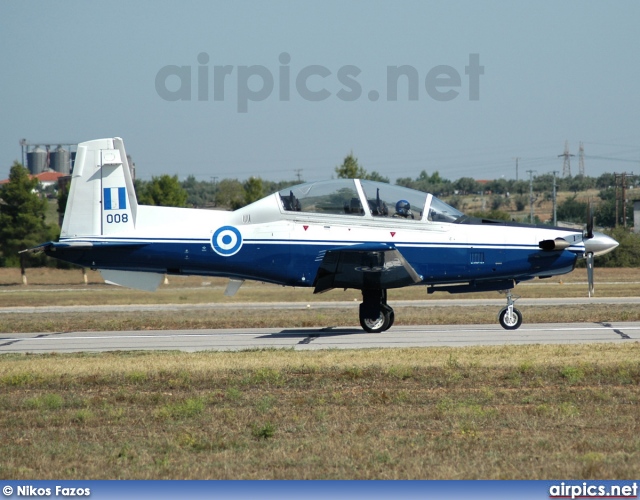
column 510, row 321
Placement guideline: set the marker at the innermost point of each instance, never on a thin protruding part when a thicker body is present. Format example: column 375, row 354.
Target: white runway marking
column 314, row 338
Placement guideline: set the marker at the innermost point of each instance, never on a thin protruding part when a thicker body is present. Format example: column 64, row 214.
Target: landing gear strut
column 510, row 318
column 375, row 314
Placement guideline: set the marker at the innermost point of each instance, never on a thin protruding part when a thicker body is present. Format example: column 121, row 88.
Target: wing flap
column 364, row 267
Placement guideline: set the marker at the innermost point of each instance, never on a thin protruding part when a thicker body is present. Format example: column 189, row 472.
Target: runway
column 313, row 338
column 457, row 302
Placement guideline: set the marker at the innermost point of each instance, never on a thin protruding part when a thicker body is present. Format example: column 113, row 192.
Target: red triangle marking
column 393, row 233
column 305, row 227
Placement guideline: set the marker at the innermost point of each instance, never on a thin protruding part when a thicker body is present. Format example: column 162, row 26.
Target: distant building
column 44, row 178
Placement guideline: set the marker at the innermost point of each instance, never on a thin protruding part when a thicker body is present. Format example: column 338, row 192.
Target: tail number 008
column 117, row 218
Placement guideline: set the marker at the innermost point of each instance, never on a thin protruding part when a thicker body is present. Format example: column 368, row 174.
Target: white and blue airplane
column 341, row 233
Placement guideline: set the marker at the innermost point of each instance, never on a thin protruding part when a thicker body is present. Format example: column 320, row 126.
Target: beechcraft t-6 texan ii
column 341, row 233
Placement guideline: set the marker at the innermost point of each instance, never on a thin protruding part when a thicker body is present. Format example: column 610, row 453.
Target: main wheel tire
column 382, row 323
column 512, row 323
column 375, row 325
column 392, row 318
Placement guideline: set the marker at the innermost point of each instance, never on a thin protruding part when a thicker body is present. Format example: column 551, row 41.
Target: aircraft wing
column 364, row 266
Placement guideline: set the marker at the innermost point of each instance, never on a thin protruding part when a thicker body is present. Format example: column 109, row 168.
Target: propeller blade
column 589, row 257
column 589, row 232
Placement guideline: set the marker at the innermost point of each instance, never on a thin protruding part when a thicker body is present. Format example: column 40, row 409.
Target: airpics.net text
column 312, row 83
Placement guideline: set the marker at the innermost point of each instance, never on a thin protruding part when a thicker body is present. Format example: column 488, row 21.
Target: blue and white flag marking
column 115, row 198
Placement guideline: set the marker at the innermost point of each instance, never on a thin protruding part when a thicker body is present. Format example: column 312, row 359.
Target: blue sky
column 552, row 71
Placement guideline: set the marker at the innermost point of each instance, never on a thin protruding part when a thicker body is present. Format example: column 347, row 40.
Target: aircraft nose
column 600, row 244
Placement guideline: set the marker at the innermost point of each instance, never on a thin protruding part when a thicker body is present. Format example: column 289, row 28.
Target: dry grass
column 59, row 287
column 532, row 412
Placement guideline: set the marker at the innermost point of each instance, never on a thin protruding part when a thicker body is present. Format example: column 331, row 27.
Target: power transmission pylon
column 555, row 204
column 566, row 164
column 581, row 159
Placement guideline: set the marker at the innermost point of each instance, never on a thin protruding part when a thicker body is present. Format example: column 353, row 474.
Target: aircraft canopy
column 352, row 196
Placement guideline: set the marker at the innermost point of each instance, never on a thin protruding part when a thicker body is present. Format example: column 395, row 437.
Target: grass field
column 533, row 412
column 503, row 412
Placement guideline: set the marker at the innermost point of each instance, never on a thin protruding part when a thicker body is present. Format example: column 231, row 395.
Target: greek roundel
column 226, row 241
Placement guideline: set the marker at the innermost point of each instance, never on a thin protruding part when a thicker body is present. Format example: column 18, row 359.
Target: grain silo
column 37, row 160
column 60, row 160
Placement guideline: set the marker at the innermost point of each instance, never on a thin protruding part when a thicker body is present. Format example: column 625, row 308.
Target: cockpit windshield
column 439, row 211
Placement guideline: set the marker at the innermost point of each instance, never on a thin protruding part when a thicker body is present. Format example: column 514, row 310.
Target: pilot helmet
column 403, row 207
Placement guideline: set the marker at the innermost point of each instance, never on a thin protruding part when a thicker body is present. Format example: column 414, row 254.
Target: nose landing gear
column 509, row 317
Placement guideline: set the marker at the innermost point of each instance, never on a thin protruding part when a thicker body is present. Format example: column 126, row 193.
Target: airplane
column 340, row 233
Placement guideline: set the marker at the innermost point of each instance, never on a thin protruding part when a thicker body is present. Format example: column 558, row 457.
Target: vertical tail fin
column 102, row 199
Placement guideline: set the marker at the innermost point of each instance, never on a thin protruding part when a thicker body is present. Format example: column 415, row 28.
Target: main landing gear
column 375, row 314
column 510, row 318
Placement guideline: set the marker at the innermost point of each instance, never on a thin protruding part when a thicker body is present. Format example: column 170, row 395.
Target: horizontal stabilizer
column 37, row 249
column 132, row 279
column 53, row 245
column 368, row 266
column 233, row 287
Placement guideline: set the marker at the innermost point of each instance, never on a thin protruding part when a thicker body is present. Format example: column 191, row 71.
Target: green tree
column 253, row 190
column 572, row 210
column 466, row 185
column 434, row 183
column 350, row 169
column 492, row 215
column 22, row 217
column 375, row 176
column 163, row 191
column 200, row 193
column 605, row 181
column 581, row 183
column 497, row 186
column 627, row 254
column 63, row 196
column 230, row 194
column 605, row 211
column 521, row 202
